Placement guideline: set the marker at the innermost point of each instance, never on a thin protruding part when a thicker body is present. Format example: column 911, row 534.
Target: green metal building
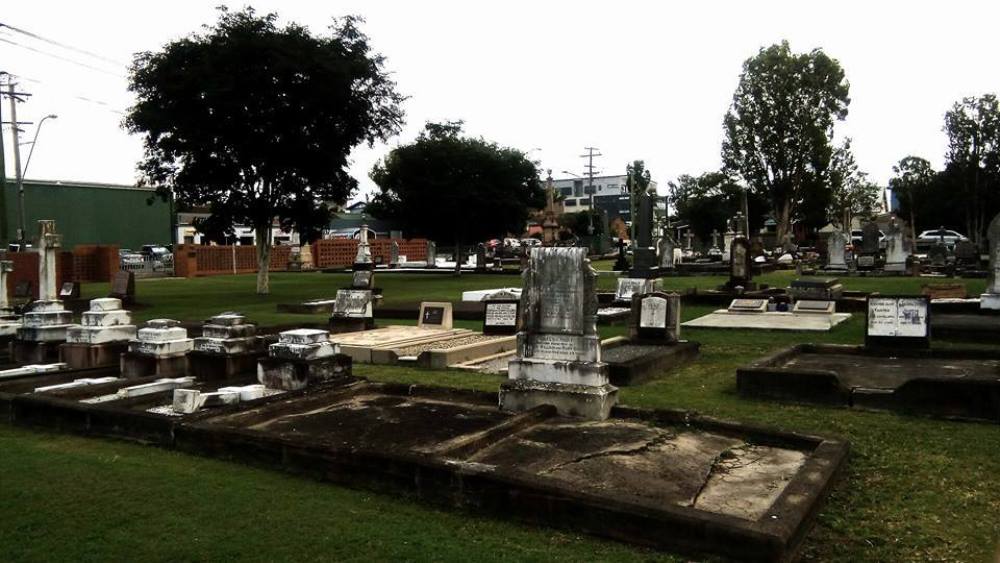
column 87, row 213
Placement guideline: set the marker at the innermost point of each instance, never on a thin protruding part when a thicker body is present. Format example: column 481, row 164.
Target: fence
column 340, row 252
column 195, row 260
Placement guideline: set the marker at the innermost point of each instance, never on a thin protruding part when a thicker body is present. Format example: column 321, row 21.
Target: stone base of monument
column 950, row 383
column 83, row 356
column 292, row 375
column 674, row 480
column 212, row 366
column 461, row 350
column 379, row 345
column 634, row 362
column 135, row 365
column 990, row 302
column 580, row 401
column 350, row 324
column 34, row 352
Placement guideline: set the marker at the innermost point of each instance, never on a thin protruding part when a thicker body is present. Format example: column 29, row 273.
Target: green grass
column 914, row 489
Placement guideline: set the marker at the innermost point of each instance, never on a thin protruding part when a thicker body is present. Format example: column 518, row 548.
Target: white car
column 934, row 235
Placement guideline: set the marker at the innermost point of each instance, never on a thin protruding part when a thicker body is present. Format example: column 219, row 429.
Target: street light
column 20, row 178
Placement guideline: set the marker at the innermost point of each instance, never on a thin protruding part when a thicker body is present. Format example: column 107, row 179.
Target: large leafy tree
column 450, row 187
column 709, row 201
column 913, row 177
column 852, row 194
column 973, row 128
column 256, row 121
column 779, row 128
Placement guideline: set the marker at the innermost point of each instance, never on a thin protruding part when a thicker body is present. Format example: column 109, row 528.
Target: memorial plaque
column 627, row 287
column 748, row 305
column 653, row 313
column 866, row 261
column 559, row 283
column 500, row 317
column 814, row 306
column 352, row 303
column 433, row 316
column 558, row 347
column 898, row 321
column 362, row 279
column 69, row 290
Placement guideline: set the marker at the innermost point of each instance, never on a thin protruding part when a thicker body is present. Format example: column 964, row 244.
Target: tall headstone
column 666, row 252
column 938, row 253
column 6, row 268
column 990, row 301
column 835, row 245
column 363, row 259
column 895, row 253
column 868, row 257
column 48, row 248
column 394, row 254
column 740, row 264
column 558, row 358
column 727, row 243
column 621, row 263
column 431, row 254
column 644, row 254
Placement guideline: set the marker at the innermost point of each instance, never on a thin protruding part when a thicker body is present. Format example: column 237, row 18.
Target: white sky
column 639, row 80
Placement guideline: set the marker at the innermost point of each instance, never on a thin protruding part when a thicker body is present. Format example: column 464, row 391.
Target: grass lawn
column 914, row 489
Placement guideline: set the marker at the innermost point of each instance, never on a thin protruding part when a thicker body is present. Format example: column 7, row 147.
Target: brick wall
column 196, row 260
column 95, row 263
column 26, row 269
column 340, row 252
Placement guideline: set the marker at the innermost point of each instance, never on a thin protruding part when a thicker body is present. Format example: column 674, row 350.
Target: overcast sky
column 639, row 80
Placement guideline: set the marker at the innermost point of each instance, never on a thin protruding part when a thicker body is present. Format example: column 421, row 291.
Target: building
column 87, row 213
column 187, row 233
column 610, row 194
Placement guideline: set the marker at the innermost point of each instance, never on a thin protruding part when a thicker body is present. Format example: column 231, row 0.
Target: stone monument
column 393, row 254
column 100, row 338
column 835, row 245
column 644, row 254
column 300, row 358
column 740, row 264
column 868, row 257
column 431, row 254
column 363, row 259
column 558, row 358
column 656, row 318
column 9, row 321
column 228, row 346
column 44, row 326
column 990, row 301
column 895, row 252
column 352, row 308
column 160, row 348
column 666, row 250
column 621, row 263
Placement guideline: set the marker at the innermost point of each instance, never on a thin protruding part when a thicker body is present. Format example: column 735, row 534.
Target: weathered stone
column 78, row 334
column 655, row 317
column 291, row 375
column 153, row 334
column 836, row 243
column 990, row 300
column 105, row 304
column 627, row 287
column 304, row 336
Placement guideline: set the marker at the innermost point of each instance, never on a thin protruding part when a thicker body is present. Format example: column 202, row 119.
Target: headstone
column 435, row 315
column 228, row 334
column 431, row 254
column 22, row 290
column 666, row 250
column 69, row 290
column 836, row 244
column 48, row 247
column 363, row 258
column 727, row 242
column 6, row 268
column 364, row 279
column 740, row 263
column 748, row 306
column 300, row 358
column 558, row 358
column 627, row 287
column 895, row 253
column 966, row 254
column 869, row 238
column 822, row 289
column 48, row 320
column 990, row 301
column 105, row 322
column 501, row 315
column 688, row 236
column 481, row 257
column 938, row 254
column 621, row 263
column 644, row 255
column 161, row 338
column 123, row 287
column 715, row 238
column 788, row 244
column 656, row 317
column 393, row 254
column 306, row 261
column 810, row 306
column 898, row 322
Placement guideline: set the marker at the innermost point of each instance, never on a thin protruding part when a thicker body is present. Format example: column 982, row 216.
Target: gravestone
column 501, row 315
column 740, row 264
column 666, row 250
column 621, row 263
column 394, row 254
column 45, row 325
column 821, row 289
column 300, row 358
column 23, row 290
column 748, row 306
column 364, row 279
column 481, row 257
column 898, row 322
column 160, row 348
column 123, row 287
column 811, row 306
column 938, row 254
column 689, row 237
column 228, row 346
column 435, row 315
column 627, row 287
column 431, row 254
column 867, row 257
column 990, row 301
column 644, row 255
column 363, row 258
column 69, row 290
column 6, row 268
column 655, row 318
column 727, row 244
column 895, row 253
column 558, row 358
column 966, row 254
column 101, row 336
column 836, row 244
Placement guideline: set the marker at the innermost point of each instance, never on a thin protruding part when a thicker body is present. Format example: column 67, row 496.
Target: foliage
column 708, row 202
column 448, row 187
column 580, row 222
column 913, row 176
column 780, row 125
column 256, row 121
column 851, row 193
column 973, row 128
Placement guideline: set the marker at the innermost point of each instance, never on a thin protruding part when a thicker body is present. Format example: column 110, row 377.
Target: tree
column 449, row 187
column 581, row 222
column 256, row 121
column 851, row 193
column 707, row 202
column 973, row 128
column 913, row 175
column 779, row 127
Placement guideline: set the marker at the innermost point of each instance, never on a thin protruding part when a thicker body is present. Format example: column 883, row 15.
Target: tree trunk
column 458, row 258
column 262, row 236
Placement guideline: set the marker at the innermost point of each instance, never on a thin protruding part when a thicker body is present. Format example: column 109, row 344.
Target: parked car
column 857, row 236
column 934, row 235
column 529, row 242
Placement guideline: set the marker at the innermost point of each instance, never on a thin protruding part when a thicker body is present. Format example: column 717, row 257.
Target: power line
column 68, row 60
column 63, row 45
column 54, row 90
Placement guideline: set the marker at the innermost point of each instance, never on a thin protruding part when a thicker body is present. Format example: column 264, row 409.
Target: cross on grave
column 715, row 238
column 689, row 236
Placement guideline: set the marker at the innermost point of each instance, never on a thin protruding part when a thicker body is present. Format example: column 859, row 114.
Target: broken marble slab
column 83, row 382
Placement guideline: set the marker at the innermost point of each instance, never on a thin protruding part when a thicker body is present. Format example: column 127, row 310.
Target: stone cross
column 689, row 236
column 715, row 238
column 364, row 255
column 6, row 267
column 48, row 248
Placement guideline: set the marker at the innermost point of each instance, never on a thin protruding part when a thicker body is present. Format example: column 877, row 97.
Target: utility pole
column 3, row 185
column 591, row 153
column 12, row 95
